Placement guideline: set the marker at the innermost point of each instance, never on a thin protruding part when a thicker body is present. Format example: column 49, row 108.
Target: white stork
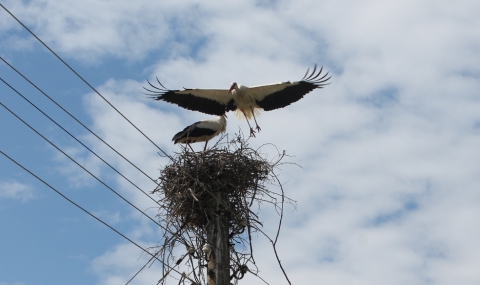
column 201, row 131
column 245, row 101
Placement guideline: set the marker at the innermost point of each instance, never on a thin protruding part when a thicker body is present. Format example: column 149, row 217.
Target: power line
column 77, row 120
column 90, row 214
column 86, row 170
column 84, row 81
column 78, row 140
column 153, row 256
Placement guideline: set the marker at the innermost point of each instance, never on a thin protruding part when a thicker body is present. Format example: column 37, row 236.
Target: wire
column 78, row 121
column 84, row 80
column 90, row 214
column 153, row 256
column 86, row 170
column 78, row 141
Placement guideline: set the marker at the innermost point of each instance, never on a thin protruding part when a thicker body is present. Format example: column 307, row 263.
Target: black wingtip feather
column 293, row 93
column 158, row 92
column 161, row 83
column 308, row 69
column 313, row 71
column 313, row 78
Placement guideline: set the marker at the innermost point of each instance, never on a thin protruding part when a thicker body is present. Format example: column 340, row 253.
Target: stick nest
column 189, row 183
column 198, row 191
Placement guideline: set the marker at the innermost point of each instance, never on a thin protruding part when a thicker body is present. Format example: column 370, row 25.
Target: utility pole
column 218, row 268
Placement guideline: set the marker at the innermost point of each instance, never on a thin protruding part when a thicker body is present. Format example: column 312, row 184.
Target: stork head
column 233, row 86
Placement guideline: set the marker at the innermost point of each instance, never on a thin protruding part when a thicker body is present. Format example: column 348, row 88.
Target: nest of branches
column 191, row 182
column 224, row 181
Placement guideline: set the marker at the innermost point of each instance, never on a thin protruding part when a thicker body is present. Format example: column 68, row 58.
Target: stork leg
column 252, row 132
column 190, row 147
column 253, row 113
column 205, row 148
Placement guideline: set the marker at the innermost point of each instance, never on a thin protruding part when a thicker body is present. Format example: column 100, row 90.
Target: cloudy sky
column 389, row 189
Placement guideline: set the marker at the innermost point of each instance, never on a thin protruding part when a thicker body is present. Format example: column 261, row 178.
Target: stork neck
column 223, row 121
column 239, row 89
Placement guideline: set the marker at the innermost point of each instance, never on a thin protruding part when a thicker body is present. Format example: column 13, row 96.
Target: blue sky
column 388, row 192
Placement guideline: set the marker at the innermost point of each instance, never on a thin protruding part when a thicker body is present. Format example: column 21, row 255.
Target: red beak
column 231, row 88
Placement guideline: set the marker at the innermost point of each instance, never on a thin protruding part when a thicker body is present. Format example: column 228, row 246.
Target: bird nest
column 222, row 183
column 190, row 185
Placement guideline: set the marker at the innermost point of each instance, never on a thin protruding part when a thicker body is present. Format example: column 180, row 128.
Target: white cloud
column 90, row 30
column 16, row 190
column 111, row 218
column 120, row 264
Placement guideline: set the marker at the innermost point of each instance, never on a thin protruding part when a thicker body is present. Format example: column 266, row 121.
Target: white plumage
column 201, row 131
column 246, row 101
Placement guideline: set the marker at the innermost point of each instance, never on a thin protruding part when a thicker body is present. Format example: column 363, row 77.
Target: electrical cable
column 86, row 170
column 45, row 45
column 111, row 105
column 31, row 103
column 77, row 120
column 90, row 214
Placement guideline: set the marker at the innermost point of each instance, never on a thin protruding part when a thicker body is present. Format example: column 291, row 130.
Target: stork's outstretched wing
column 208, row 101
column 279, row 95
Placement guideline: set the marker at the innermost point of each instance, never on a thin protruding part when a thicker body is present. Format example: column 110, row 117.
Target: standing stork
column 245, row 101
column 201, row 131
